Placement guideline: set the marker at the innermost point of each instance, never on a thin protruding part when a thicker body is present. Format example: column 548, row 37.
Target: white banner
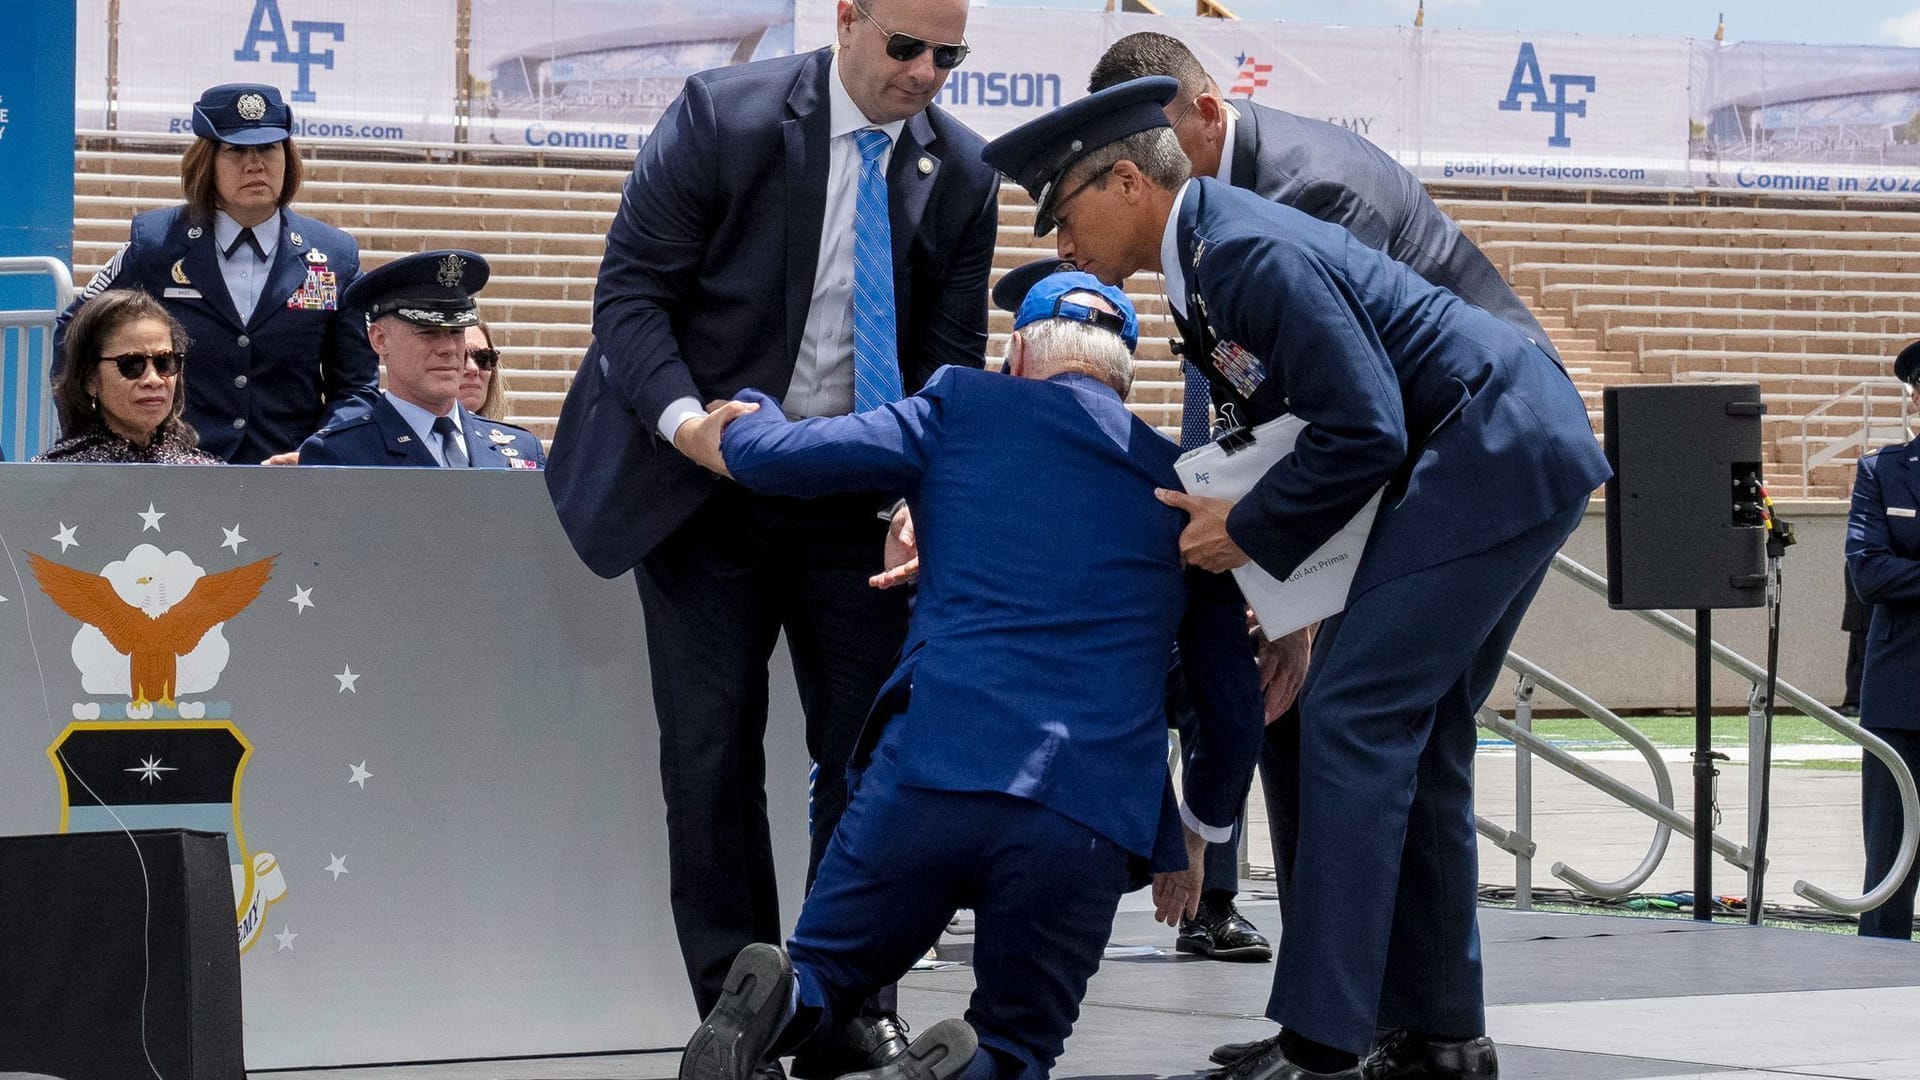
column 359, row 70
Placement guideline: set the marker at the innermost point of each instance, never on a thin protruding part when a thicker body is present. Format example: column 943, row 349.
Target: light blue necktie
column 876, row 365
column 1194, row 420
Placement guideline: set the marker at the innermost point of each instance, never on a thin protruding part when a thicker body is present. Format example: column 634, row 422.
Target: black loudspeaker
column 82, row 935
column 1685, row 524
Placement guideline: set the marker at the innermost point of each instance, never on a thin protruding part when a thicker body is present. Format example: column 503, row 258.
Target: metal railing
column 1870, row 392
column 26, row 360
column 1518, row 840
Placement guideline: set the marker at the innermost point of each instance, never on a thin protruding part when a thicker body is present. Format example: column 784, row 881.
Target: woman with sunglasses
column 257, row 285
column 483, row 386
column 122, row 391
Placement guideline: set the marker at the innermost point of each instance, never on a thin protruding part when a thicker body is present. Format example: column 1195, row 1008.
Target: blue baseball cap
column 242, row 114
column 432, row 289
column 1047, row 299
column 1038, row 153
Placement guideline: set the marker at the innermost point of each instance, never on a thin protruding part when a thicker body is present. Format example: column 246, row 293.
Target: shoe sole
column 1253, row 954
column 730, row 1043
column 940, row 1053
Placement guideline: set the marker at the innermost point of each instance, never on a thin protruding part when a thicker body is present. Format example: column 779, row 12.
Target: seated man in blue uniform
column 418, row 309
column 1484, row 449
column 1015, row 761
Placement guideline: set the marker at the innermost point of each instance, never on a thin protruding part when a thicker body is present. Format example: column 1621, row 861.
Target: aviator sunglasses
column 901, row 47
column 484, row 359
column 133, row 365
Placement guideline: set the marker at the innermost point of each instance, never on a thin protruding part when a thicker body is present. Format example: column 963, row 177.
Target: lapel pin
column 296, row 238
column 317, row 257
column 180, row 272
column 404, row 438
column 194, row 233
column 509, row 451
column 926, row 166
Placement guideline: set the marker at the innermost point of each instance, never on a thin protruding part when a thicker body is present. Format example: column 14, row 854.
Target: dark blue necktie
column 876, row 365
column 450, row 447
column 1195, row 421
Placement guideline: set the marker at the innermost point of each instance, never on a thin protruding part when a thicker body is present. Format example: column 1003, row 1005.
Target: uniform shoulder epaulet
column 347, row 423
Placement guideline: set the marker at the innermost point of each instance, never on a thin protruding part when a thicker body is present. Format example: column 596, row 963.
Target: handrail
column 1811, row 706
column 1865, row 388
column 26, row 413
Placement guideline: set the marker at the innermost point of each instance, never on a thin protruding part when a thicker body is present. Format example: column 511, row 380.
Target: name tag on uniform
column 1899, row 511
column 181, row 294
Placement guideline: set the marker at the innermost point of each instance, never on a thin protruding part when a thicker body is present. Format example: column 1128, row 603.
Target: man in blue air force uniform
column 1883, row 559
column 417, row 310
column 1015, row 760
column 257, row 286
column 1483, row 446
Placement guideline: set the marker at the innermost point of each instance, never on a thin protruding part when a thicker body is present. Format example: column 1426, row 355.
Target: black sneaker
column 732, row 1042
column 1220, row 932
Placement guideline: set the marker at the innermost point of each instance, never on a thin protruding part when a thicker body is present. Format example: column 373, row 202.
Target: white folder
column 1227, row 469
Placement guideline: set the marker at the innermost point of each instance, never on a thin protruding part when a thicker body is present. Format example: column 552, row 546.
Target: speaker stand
column 1703, row 770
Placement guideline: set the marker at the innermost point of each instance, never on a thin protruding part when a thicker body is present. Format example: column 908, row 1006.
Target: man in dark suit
column 1483, row 447
column 1339, row 176
column 1015, row 761
column 812, row 226
column 1883, row 560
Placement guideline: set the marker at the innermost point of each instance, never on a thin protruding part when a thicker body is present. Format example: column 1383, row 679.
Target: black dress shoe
column 940, row 1053
column 1404, row 1055
column 866, row 1042
column 732, row 1042
column 1270, row 1063
column 1226, row 1054
column 1222, row 933
column 769, row 1070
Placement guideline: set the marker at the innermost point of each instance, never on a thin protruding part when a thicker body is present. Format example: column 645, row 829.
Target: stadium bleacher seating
column 1810, row 299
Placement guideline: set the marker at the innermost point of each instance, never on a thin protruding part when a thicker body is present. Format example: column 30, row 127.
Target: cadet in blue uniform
column 417, row 311
column 1483, row 447
column 1883, row 559
column 257, row 286
column 1015, row 760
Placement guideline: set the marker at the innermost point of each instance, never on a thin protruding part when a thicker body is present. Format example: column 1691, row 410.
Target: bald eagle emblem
column 153, row 630
column 452, row 269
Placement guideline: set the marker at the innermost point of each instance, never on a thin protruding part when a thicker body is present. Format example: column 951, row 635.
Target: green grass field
column 1579, row 734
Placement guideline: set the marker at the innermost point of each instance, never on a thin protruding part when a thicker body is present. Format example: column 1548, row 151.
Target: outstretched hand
column 1204, row 542
column 699, row 438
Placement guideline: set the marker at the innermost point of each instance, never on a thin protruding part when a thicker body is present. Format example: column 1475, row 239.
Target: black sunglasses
column 134, row 365
column 946, row 56
column 484, row 359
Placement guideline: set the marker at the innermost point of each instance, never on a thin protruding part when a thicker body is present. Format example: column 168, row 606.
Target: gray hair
column 1057, row 345
column 1156, row 151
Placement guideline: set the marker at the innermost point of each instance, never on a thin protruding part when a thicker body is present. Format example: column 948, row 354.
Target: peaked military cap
column 1038, row 153
column 433, row 289
column 242, row 114
column 1906, row 367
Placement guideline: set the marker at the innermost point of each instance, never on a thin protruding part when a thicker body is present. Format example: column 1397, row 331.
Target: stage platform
column 1570, row 997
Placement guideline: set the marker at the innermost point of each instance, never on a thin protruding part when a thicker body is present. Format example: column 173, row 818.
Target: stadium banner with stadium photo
column 351, row 69
column 90, row 64
column 1533, row 108
column 596, row 74
column 1806, row 118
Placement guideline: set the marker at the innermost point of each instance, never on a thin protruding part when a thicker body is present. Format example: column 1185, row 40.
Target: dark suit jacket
column 381, row 436
column 1050, row 592
column 1335, row 175
column 274, row 374
column 708, row 276
column 1883, row 554
column 1401, row 382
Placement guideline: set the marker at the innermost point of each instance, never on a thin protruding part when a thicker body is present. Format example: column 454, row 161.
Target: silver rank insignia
column 404, row 438
column 509, row 451
column 499, row 436
column 251, row 106
column 296, row 238
column 316, row 256
column 452, row 269
column 195, row 233
column 180, row 272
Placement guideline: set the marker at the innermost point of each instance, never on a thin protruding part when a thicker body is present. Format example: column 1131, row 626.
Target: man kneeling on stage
column 1015, row 762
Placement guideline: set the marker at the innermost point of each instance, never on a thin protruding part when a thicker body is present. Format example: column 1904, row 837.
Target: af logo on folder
column 1227, row 468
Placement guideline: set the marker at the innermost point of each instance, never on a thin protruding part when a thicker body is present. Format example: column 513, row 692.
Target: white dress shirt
column 1224, row 173
column 421, row 421
column 823, row 370
column 1173, row 277
column 245, row 273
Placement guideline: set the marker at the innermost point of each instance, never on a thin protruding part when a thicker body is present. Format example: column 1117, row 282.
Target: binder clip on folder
column 1227, row 468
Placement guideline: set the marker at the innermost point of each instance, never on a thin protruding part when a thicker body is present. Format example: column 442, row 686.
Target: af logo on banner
column 266, row 27
column 151, row 636
column 1526, row 82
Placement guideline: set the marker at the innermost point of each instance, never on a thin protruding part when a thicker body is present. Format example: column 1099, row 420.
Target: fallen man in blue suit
column 1015, row 762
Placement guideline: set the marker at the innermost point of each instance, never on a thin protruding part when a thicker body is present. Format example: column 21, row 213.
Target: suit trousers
column 1381, row 917
column 716, row 595
column 1043, row 889
column 1880, row 820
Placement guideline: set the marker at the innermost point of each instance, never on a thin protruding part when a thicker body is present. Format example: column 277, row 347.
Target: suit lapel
column 1909, row 471
column 289, row 271
column 398, row 436
column 202, row 263
column 1246, row 147
column 909, row 187
column 805, row 132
